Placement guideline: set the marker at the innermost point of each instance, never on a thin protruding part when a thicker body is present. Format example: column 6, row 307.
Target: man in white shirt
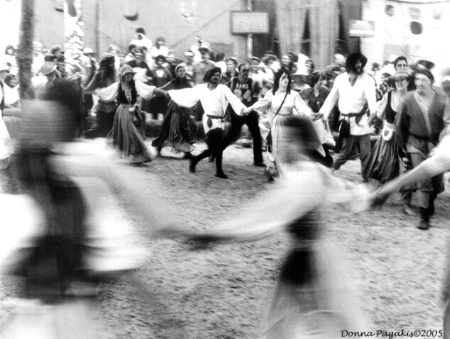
column 214, row 98
column 355, row 93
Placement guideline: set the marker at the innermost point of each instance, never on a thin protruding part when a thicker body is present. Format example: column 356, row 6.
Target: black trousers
column 217, row 142
column 252, row 122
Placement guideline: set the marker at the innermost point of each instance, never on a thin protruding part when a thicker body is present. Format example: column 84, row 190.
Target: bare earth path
column 222, row 292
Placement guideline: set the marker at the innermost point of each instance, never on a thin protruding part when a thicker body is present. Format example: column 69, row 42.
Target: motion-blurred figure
column 63, row 229
column 313, row 297
column 6, row 145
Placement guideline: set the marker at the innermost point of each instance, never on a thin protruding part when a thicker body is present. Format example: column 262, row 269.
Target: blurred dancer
column 436, row 164
column 214, row 98
column 313, row 297
column 6, row 145
column 66, row 240
column 105, row 85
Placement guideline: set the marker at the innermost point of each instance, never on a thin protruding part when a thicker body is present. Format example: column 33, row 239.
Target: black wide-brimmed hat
column 210, row 72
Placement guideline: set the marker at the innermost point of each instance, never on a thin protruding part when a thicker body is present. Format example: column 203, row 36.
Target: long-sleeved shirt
column 352, row 99
column 214, row 103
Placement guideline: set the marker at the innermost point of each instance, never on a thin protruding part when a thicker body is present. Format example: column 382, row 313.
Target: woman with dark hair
column 178, row 129
column 313, row 296
column 384, row 162
column 314, row 98
column 279, row 104
column 140, row 66
column 401, row 64
column 105, row 85
column 128, row 132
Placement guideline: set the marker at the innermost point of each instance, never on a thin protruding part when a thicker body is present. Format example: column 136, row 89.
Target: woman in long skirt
column 128, row 132
column 384, row 160
column 178, row 129
column 280, row 104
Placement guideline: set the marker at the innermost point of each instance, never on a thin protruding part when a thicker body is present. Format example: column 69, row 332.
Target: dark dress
column 177, row 129
column 128, row 132
column 383, row 163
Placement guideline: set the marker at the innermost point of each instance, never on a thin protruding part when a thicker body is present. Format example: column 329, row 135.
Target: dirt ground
column 222, row 292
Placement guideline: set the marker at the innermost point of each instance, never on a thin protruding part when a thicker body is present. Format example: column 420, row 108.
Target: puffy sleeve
column 331, row 99
column 262, row 104
column 301, row 107
column 144, row 91
column 186, row 97
column 109, row 93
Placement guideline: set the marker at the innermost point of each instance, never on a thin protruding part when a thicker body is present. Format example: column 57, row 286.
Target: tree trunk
column 25, row 51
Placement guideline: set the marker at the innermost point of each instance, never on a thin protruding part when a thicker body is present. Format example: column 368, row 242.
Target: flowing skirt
column 177, row 130
column 383, row 163
column 127, row 135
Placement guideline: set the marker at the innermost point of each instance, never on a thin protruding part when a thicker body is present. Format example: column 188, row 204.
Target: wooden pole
column 25, row 51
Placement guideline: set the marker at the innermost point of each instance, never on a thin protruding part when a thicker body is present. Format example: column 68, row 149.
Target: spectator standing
column 141, row 40
column 205, row 64
column 159, row 48
column 189, row 64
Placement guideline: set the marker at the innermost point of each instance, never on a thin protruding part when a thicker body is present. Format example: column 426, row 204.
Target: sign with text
column 361, row 28
column 249, row 22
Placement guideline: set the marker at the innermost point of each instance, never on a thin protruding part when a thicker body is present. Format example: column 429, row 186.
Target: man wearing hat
column 214, row 98
column 205, row 64
column 255, row 73
column 354, row 91
column 188, row 64
column 425, row 115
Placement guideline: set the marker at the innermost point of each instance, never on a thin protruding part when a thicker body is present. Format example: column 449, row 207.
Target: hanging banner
column 73, row 37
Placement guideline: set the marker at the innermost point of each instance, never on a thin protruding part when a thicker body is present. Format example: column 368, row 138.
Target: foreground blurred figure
column 6, row 146
column 313, row 297
column 64, row 230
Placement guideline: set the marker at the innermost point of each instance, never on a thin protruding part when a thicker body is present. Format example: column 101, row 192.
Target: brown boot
column 424, row 223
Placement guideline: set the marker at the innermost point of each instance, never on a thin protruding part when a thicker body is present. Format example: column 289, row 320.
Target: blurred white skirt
column 6, row 145
column 113, row 247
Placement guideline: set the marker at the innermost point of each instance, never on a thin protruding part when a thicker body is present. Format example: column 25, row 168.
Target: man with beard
column 420, row 124
column 354, row 91
column 214, row 98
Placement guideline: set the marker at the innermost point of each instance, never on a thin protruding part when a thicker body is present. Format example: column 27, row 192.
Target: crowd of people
column 290, row 108
column 123, row 90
